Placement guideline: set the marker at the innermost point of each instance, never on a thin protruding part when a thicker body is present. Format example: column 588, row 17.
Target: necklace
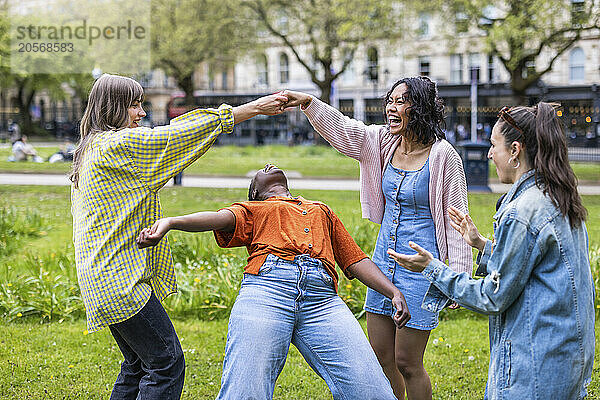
column 412, row 151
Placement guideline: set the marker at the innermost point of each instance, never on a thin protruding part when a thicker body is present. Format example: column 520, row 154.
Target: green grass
column 316, row 161
column 309, row 161
column 57, row 360
column 585, row 172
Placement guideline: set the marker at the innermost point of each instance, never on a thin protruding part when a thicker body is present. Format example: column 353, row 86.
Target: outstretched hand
column 151, row 236
column 463, row 223
column 272, row 104
column 414, row 262
column 296, row 99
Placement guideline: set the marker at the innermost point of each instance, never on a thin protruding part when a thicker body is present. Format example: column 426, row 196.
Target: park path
column 241, row 182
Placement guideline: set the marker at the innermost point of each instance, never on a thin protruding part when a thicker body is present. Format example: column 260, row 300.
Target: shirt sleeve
column 242, row 234
column 510, row 266
column 345, row 134
column 345, row 249
column 162, row 152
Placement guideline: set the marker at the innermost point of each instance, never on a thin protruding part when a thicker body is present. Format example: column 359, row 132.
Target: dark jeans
column 154, row 367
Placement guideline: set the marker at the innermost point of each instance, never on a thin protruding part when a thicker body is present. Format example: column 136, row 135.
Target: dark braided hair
column 426, row 111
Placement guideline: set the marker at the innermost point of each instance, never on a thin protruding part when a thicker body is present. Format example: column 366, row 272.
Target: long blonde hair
column 106, row 110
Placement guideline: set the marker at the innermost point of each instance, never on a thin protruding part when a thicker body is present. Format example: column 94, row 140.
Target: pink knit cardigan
column 373, row 147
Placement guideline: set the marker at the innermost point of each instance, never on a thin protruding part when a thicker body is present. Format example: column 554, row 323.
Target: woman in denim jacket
column 537, row 288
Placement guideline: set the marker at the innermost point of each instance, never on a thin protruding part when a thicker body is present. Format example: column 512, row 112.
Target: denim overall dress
column 407, row 217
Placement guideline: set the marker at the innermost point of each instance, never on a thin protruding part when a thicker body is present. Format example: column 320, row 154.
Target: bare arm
column 223, row 220
column 368, row 273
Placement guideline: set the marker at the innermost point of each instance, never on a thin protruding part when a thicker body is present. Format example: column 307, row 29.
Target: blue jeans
column 295, row 302
column 154, row 367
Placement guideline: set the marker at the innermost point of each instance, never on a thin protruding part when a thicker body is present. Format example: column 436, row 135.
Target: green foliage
column 527, row 36
column 595, row 266
column 14, row 226
column 317, row 33
column 37, row 272
column 43, row 287
column 186, row 33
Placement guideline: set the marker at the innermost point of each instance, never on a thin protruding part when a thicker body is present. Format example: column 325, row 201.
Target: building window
column 491, row 69
column 461, row 22
column 282, row 23
column 424, row 66
column 372, row 65
column 346, row 107
column 284, row 68
column 474, row 66
column 576, row 65
column 529, row 67
column 424, row 22
column 348, row 76
column 262, row 70
column 224, row 79
column 456, row 68
column 577, row 12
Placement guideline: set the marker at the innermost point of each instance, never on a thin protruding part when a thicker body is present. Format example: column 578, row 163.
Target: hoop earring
column 518, row 162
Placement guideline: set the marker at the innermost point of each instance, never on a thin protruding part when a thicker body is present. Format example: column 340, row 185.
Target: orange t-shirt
column 287, row 227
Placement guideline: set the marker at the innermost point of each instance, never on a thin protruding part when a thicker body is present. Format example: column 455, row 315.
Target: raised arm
column 345, row 134
column 222, row 220
column 267, row 105
column 162, row 152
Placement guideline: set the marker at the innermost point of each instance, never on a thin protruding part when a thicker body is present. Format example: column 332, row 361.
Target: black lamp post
column 473, row 152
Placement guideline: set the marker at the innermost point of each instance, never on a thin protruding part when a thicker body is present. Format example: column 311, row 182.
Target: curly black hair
column 426, row 112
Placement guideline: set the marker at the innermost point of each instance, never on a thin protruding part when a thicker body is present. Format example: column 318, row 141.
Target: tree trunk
column 518, row 86
column 186, row 83
column 24, row 100
column 325, row 88
column 325, row 96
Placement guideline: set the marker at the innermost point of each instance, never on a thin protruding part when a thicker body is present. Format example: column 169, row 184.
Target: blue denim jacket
column 539, row 294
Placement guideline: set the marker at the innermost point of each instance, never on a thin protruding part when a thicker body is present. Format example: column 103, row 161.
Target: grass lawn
column 59, row 360
column 309, row 161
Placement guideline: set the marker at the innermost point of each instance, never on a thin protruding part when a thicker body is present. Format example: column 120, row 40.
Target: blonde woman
column 118, row 168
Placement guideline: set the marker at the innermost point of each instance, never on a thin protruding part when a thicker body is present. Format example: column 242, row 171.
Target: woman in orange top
column 289, row 292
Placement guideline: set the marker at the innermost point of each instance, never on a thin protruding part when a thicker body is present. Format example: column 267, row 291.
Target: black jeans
column 154, row 367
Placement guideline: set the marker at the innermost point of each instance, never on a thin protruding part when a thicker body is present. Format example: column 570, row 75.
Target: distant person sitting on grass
column 289, row 292
column 64, row 153
column 23, row 151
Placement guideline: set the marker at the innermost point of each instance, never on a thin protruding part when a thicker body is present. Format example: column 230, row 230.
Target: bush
column 595, row 265
column 45, row 288
column 43, row 285
column 15, row 225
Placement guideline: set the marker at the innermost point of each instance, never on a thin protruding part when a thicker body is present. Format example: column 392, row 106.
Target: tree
column 528, row 36
column 4, row 43
column 324, row 35
column 26, row 85
column 186, row 33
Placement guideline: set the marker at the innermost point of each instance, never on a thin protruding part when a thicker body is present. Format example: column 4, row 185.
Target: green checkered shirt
column 119, row 179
